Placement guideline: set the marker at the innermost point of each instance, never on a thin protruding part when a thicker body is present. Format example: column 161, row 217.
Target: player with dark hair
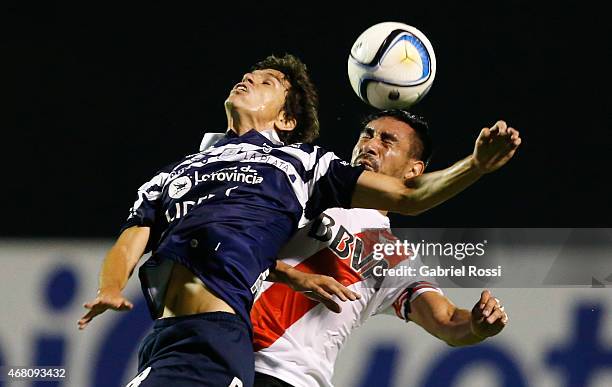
column 421, row 146
column 296, row 340
column 301, row 100
column 216, row 219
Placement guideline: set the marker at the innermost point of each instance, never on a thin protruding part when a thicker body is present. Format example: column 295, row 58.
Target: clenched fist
column 495, row 146
column 488, row 316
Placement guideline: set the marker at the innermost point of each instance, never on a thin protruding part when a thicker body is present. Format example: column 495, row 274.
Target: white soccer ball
column 391, row 65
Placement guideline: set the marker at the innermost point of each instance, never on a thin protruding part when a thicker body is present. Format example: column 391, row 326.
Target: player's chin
column 242, row 102
column 234, row 99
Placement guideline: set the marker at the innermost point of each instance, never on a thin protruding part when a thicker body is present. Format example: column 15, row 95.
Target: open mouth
column 241, row 87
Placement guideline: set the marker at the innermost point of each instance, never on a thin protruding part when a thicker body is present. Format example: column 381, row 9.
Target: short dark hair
column 301, row 102
column 424, row 149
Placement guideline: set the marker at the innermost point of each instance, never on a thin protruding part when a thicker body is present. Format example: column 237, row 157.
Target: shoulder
column 303, row 146
column 313, row 151
column 309, row 155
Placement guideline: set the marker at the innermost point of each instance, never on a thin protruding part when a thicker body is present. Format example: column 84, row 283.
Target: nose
column 249, row 77
column 371, row 146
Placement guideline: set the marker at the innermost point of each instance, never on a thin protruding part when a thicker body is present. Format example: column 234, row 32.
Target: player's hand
column 321, row 288
column 495, row 146
column 488, row 316
column 106, row 299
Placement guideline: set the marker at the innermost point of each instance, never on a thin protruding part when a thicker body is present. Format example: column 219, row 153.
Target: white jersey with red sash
column 296, row 339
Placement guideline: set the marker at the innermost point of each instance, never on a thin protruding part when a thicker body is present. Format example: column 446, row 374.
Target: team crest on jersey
column 179, row 187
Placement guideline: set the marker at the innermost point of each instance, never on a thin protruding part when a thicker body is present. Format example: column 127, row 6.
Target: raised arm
column 494, row 147
column 117, row 267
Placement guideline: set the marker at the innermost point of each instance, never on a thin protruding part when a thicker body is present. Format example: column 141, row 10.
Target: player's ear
column 284, row 123
column 416, row 168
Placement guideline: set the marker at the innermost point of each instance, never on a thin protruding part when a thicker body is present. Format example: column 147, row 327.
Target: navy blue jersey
column 225, row 212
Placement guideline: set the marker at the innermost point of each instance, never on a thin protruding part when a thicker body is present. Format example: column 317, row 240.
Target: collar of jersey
column 212, row 139
column 269, row 134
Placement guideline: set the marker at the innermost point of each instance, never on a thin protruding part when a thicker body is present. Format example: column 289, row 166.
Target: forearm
column 431, row 189
column 441, row 318
column 457, row 331
column 288, row 275
column 382, row 192
column 116, row 269
column 280, row 273
column 123, row 257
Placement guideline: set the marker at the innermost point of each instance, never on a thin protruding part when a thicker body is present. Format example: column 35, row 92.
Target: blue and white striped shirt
column 225, row 212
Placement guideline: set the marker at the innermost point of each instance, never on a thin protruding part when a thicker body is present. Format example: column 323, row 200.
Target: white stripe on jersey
column 143, row 191
column 417, row 293
column 321, row 169
column 309, row 160
column 209, row 140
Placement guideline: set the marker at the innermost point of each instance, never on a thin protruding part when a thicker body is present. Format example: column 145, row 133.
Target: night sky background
column 103, row 97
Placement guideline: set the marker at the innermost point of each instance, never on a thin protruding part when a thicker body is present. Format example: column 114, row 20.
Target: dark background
column 105, row 96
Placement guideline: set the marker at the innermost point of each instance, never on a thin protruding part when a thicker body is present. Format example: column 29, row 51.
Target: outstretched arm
column 458, row 327
column 494, row 147
column 117, row 267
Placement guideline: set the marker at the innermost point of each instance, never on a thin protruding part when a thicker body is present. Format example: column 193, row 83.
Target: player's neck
column 242, row 124
column 383, row 212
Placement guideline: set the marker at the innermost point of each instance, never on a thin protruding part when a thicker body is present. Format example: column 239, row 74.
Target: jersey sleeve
column 401, row 306
column 144, row 211
column 332, row 184
column 398, row 292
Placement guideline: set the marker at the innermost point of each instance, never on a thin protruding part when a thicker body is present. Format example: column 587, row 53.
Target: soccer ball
column 391, row 65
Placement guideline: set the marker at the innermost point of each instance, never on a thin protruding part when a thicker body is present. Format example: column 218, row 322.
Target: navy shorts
column 207, row 349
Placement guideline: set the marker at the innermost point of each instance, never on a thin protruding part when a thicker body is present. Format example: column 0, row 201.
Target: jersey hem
column 282, row 376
